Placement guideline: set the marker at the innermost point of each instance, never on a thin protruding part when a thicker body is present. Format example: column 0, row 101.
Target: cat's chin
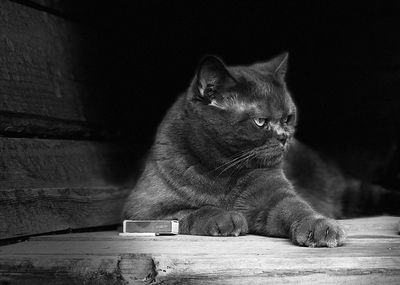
column 269, row 160
column 266, row 156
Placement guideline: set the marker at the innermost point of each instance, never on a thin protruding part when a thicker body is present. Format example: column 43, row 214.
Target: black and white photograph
column 199, row 142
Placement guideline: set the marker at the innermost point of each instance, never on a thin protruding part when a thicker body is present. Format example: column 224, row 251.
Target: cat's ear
column 212, row 76
column 281, row 65
column 277, row 66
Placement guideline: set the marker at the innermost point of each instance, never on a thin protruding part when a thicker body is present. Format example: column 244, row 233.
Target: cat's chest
column 216, row 192
column 223, row 192
column 210, row 189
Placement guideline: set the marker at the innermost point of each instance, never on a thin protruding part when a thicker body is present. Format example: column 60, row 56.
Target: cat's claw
column 317, row 232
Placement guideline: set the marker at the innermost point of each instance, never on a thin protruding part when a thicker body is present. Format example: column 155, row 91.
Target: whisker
column 238, row 161
column 238, row 156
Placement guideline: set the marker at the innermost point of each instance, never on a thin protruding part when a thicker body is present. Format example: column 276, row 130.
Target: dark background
column 344, row 68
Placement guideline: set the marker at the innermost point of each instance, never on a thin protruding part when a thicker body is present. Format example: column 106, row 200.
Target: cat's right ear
column 212, row 77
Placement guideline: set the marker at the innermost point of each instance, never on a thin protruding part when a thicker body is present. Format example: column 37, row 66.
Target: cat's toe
column 228, row 224
column 328, row 233
column 318, row 232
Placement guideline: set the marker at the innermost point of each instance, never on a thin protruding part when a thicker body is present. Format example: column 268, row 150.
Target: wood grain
column 27, row 212
column 45, row 62
column 227, row 260
column 76, row 269
column 50, row 185
column 305, row 278
column 362, row 229
column 70, row 270
column 22, row 125
column 264, row 246
column 38, row 73
column 41, row 163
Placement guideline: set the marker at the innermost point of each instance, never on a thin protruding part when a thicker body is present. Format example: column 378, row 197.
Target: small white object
column 150, row 227
column 137, row 234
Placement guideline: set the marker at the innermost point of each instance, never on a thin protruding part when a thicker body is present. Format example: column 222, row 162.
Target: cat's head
column 247, row 110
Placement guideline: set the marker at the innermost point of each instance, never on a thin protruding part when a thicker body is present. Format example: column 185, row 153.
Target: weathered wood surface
column 23, row 125
column 40, row 163
column 362, row 229
column 371, row 255
column 38, row 74
column 28, row 212
column 44, row 67
column 49, row 185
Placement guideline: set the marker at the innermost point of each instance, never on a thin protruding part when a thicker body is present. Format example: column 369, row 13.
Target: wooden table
column 371, row 255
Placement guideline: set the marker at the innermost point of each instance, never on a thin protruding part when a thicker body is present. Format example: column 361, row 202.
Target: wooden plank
column 213, row 267
column 382, row 233
column 373, row 226
column 69, row 269
column 37, row 59
column 225, row 260
column 266, row 246
column 28, row 212
column 139, row 270
column 292, row 265
column 49, row 185
column 42, row 163
column 77, row 269
column 44, row 66
column 362, row 228
column 308, row 278
column 26, row 125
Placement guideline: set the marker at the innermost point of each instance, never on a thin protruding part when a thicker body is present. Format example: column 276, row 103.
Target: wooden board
column 28, row 212
column 27, row 125
column 371, row 254
column 248, row 246
column 363, row 229
column 45, row 61
column 76, row 269
column 49, row 185
column 40, row 163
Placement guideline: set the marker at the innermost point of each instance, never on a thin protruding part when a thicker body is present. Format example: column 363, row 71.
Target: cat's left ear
column 212, row 77
column 277, row 66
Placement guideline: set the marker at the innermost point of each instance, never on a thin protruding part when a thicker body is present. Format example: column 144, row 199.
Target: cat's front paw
column 317, row 232
column 226, row 224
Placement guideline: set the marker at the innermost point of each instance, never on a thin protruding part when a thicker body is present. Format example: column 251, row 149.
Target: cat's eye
column 260, row 122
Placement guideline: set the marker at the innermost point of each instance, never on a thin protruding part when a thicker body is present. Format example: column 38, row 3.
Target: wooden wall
column 56, row 159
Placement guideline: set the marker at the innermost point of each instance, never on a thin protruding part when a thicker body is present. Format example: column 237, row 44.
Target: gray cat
column 224, row 162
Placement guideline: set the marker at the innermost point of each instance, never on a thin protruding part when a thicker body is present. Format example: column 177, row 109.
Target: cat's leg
column 209, row 220
column 153, row 199
column 272, row 208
